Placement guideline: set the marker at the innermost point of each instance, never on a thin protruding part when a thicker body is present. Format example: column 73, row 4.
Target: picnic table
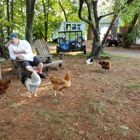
column 1, row 59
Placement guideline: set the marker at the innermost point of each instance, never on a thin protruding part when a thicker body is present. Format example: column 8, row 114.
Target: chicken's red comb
column 37, row 71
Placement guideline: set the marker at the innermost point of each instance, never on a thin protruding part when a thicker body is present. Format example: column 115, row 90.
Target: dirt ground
column 97, row 106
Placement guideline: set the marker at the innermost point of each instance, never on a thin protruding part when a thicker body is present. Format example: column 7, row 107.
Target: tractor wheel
column 79, row 39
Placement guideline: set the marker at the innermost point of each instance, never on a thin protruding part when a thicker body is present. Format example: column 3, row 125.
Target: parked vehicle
column 72, row 45
column 70, row 37
column 62, row 27
column 114, row 40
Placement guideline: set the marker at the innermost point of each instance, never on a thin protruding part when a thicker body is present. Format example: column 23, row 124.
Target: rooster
column 59, row 83
column 32, row 83
column 105, row 65
column 4, row 86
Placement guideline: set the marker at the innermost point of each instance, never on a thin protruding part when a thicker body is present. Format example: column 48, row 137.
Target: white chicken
column 89, row 61
column 32, row 83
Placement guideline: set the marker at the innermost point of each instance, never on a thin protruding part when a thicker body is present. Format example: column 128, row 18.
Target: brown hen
column 59, row 83
column 4, row 85
column 105, row 64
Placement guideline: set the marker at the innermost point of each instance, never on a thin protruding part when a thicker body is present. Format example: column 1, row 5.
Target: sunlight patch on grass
column 81, row 54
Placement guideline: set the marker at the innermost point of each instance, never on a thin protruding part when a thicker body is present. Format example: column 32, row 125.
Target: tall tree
column 93, row 20
column 8, row 16
column 94, row 16
column 127, row 40
column 45, row 18
column 131, row 15
column 30, row 7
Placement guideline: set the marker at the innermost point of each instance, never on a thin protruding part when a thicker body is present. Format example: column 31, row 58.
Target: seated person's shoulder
column 24, row 42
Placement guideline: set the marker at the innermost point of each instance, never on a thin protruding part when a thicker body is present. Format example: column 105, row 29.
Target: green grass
column 92, row 106
column 134, row 86
column 132, row 78
column 138, row 63
column 81, row 54
column 113, row 101
column 7, row 61
column 106, row 54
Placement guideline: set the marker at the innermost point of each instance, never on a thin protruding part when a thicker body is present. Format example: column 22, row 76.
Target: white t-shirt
column 23, row 45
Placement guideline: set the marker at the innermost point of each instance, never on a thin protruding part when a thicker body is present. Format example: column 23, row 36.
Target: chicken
column 32, row 83
column 89, row 61
column 105, row 64
column 4, row 86
column 59, row 83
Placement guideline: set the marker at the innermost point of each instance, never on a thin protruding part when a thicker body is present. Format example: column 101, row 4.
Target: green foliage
column 129, row 12
column 56, row 14
column 134, row 34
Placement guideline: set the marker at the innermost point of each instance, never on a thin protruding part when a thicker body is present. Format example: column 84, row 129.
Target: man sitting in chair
column 21, row 50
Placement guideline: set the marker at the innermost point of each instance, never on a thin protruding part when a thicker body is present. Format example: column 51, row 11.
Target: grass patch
column 134, row 86
column 55, row 101
column 113, row 101
column 7, row 61
column 74, row 54
column 138, row 63
column 96, row 107
column 132, row 78
column 106, row 54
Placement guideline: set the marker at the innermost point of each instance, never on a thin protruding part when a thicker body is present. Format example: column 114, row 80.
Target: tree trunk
column 46, row 19
column 128, row 41
column 107, row 33
column 63, row 10
column 114, row 28
column 8, row 17
column 12, row 13
column 30, row 6
column 3, row 50
column 90, row 33
column 95, row 44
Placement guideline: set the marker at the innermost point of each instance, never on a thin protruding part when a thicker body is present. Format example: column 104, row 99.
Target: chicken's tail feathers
column 50, row 75
column 67, row 76
column 23, row 78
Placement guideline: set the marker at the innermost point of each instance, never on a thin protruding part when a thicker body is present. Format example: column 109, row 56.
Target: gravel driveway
column 135, row 52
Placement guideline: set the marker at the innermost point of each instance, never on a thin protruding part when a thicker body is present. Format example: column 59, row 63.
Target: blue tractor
column 71, row 45
column 70, row 36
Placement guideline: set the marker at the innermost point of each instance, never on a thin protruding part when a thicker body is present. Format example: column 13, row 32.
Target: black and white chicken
column 89, row 61
column 32, row 83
